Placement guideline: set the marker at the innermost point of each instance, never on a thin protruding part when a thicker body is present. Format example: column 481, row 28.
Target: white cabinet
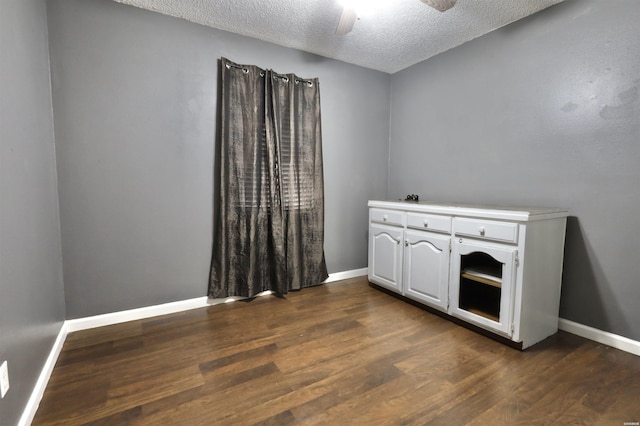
column 498, row 268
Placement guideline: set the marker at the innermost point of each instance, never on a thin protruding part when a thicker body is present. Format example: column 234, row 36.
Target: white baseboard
column 345, row 275
column 604, row 337
column 135, row 314
column 173, row 307
column 41, row 384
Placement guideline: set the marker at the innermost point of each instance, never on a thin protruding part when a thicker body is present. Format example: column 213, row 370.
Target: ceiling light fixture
column 352, row 9
column 363, row 7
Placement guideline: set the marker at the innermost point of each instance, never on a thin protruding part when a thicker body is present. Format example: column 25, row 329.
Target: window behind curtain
column 296, row 186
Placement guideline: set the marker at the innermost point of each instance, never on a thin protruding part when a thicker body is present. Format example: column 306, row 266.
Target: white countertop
column 515, row 213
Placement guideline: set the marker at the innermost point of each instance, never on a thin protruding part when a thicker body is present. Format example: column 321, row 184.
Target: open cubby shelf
column 481, row 285
column 481, row 278
column 479, row 299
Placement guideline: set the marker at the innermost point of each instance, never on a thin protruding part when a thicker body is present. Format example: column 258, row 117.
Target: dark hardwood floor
column 343, row 353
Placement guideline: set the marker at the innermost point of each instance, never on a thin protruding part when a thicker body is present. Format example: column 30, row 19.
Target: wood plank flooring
column 339, row 354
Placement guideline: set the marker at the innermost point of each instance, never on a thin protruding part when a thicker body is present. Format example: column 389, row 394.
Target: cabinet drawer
column 485, row 229
column 429, row 222
column 390, row 217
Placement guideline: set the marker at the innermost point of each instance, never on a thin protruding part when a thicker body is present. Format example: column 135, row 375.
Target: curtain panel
column 269, row 232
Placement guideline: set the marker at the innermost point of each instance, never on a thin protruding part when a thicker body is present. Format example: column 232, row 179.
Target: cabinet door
column 481, row 285
column 385, row 256
column 426, row 267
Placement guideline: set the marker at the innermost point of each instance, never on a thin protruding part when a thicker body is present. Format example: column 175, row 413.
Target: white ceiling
column 394, row 37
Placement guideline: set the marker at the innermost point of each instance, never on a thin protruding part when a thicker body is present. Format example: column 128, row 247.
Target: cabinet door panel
column 477, row 296
column 426, row 272
column 385, row 256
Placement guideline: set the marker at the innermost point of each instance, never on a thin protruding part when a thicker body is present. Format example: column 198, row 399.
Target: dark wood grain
column 344, row 353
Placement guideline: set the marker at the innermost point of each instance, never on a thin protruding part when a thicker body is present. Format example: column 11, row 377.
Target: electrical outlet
column 4, row 379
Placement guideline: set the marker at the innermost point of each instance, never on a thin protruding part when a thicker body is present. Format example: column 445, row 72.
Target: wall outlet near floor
column 4, row 379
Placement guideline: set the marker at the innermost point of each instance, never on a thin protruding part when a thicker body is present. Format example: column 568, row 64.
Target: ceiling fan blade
column 440, row 5
column 347, row 20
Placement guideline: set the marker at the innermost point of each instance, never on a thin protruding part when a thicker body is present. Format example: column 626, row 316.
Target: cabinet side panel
column 542, row 278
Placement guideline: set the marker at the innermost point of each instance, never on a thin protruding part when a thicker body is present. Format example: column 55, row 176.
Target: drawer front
column 429, row 222
column 390, row 217
column 485, row 229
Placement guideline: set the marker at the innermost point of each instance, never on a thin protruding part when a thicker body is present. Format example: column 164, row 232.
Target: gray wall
column 31, row 290
column 543, row 112
column 134, row 97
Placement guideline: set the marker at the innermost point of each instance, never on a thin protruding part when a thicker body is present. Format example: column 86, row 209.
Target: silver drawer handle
column 481, row 229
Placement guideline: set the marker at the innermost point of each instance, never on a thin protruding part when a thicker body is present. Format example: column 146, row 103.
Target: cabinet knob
column 426, row 223
column 385, row 217
column 481, row 229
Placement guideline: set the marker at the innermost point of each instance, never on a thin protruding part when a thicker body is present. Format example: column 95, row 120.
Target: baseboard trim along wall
column 606, row 338
column 139, row 313
column 345, row 275
column 173, row 307
column 41, row 384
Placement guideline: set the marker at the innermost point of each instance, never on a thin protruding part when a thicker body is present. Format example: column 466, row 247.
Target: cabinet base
column 472, row 327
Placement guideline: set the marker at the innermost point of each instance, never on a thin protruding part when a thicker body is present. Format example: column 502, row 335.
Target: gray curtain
column 269, row 232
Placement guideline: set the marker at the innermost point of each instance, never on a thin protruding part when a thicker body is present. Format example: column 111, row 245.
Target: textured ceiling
column 391, row 38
